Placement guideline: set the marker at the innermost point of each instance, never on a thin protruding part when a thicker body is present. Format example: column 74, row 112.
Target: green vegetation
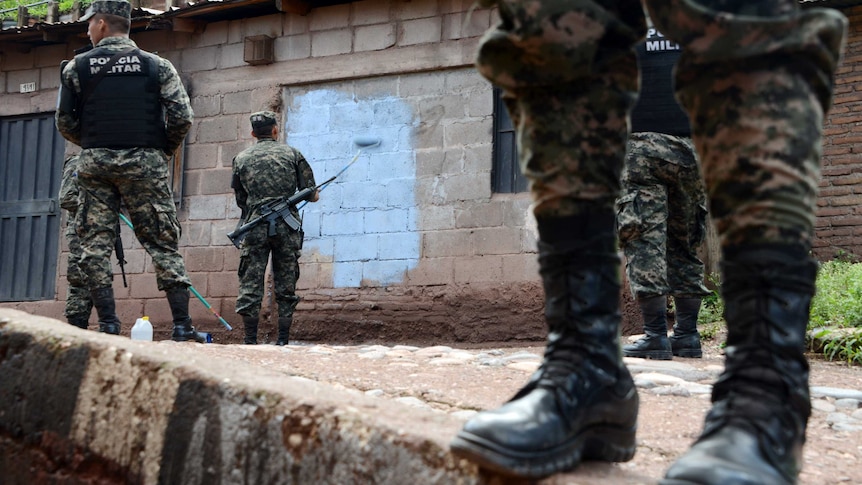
column 712, row 306
column 38, row 11
column 836, row 310
column 838, row 346
column 838, row 302
column 710, row 320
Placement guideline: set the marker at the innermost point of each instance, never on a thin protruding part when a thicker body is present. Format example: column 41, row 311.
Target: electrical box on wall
column 258, row 50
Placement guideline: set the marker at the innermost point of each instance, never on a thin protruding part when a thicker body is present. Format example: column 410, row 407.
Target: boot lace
column 764, row 387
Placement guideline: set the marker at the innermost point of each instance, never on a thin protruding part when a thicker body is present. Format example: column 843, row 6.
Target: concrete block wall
column 40, row 66
column 413, row 222
column 415, row 212
column 417, row 204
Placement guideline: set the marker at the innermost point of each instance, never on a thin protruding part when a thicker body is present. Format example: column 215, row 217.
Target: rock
column 521, row 356
column 675, row 390
column 836, row 393
column 524, row 366
column 847, row 403
column 836, row 417
column 413, row 401
column 660, row 379
column 822, row 405
column 852, row 428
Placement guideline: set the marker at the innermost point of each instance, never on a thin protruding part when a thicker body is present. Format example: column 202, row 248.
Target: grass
column 836, row 310
column 710, row 320
column 838, row 302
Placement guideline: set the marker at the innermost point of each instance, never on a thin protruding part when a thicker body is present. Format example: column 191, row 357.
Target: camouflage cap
column 262, row 119
column 120, row 8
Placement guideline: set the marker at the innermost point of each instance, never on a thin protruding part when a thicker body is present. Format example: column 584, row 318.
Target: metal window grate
column 506, row 176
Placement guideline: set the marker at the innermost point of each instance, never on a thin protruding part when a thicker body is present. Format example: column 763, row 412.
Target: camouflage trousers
column 256, row 248
column 137, row 178
column 756, row 87
column 661, row 217
column 78, row 302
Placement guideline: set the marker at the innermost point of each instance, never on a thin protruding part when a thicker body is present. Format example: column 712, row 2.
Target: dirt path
column 461, row 381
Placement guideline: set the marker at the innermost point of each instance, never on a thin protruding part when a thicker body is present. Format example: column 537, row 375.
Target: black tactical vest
column 657, row 109
column 123, row 109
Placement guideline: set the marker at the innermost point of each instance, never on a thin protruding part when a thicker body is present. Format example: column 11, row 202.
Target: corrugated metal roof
column 39, row 33
column 830, row 3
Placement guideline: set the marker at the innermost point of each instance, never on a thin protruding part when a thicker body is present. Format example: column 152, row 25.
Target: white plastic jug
column 143, row 329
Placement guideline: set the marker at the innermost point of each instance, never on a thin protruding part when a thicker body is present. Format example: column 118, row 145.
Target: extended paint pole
column 362, row 142
column 191, row 288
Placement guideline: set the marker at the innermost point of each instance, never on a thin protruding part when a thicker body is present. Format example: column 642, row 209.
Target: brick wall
column 839, row 215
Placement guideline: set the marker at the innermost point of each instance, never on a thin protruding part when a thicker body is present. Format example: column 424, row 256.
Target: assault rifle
column 274, row 210
column 121, row 257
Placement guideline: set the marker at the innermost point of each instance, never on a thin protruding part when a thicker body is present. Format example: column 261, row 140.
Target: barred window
column 506, row 176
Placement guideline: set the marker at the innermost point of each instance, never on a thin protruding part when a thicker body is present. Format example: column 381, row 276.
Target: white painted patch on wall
column 366, row 219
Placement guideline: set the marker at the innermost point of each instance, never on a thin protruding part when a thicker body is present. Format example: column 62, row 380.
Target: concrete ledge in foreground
column 81, row 407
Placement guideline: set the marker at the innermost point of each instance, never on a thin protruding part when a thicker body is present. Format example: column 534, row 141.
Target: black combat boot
column 284, row 324
column 80, row 321
column 178, row 299
column 250, row 329
column 685, row 341
column 654, row 344
column 581, row 403
column 756, row 428
column 103, row 300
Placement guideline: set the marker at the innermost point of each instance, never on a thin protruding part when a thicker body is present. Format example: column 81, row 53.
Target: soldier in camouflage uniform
column 78, row 302
column 661, row 216
column 267, row 171
column 129, row 112
column 755, row 78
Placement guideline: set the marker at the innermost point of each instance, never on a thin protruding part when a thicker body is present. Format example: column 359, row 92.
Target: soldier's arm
column 307, row 177
column 178, row 108
column 65, row 116
column 239, row 191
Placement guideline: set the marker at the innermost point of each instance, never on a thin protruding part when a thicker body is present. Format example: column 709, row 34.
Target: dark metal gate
column 31, row 165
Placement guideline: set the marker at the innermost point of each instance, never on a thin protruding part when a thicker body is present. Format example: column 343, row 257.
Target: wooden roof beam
column 299, row 7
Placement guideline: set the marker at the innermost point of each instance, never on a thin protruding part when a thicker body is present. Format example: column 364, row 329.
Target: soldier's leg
column 251, row 273
column 154, row 216
column 686, row 233
column 569, row 76
column 757, row 88
column 79, row 305
column 642, row 225
column 95, row 224
column 285, row 268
